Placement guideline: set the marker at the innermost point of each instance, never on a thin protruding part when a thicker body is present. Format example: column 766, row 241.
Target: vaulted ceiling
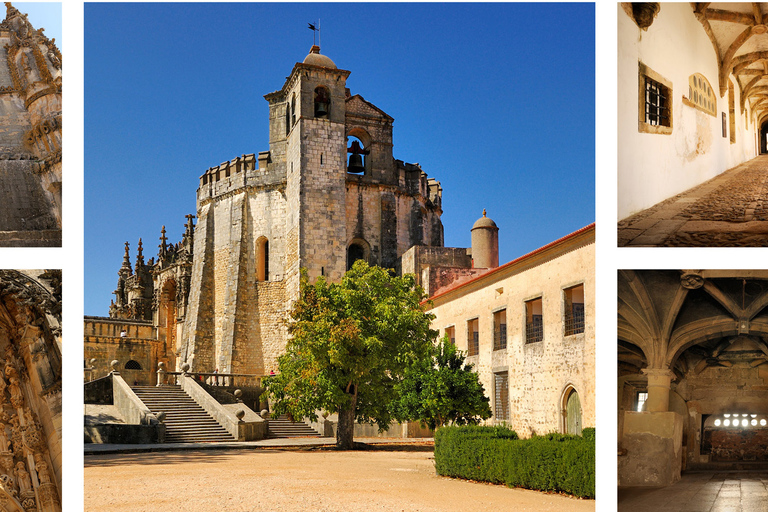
column 688, row 320
column 739, row 34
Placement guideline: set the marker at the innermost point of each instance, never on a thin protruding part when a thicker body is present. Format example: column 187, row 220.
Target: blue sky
column 496, row 101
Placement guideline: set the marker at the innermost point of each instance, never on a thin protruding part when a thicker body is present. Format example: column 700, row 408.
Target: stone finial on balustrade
column 114, row 365
column 264, row 414
column 238, row 395
column 160, row 373
column 240, row 414
column 185, row 369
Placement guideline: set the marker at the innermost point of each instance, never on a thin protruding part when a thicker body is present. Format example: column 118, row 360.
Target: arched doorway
column 764, row 138
column 571, row 412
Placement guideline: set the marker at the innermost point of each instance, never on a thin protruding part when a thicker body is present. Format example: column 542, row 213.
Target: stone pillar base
column 653, row 445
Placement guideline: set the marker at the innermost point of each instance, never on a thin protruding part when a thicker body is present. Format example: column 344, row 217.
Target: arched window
column 357, row 250
column 288, row 123
column 132, row 365
column 262, row 259
column 322, row 103
column 700, row 94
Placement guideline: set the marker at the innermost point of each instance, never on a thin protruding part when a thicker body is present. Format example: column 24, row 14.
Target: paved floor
column 705, row 491
column 730, row 210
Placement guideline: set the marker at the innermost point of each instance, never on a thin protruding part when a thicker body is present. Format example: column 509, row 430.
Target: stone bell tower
column 307, row 129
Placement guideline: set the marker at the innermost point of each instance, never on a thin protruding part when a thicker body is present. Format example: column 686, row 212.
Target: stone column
column 659, row 384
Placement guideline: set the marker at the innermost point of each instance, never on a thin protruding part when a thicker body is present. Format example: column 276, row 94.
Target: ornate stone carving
column 691, row 280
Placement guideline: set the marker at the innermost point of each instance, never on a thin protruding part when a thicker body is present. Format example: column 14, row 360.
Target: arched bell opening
column 358, row 250
column 359, row 144
column 322, row 103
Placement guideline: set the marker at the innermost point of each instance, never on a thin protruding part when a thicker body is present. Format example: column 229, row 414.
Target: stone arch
column 30, row 386
column 358, row 249
column 167, row 313
column 570, row 410
column 764, row 137
column 365, row 141
column 262, row 258
column 322, row 102
column 132, row 365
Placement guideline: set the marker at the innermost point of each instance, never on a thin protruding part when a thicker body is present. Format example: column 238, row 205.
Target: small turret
column 485, row 243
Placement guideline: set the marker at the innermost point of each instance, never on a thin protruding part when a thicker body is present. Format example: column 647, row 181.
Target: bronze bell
column 356, row 164
column 321, row 109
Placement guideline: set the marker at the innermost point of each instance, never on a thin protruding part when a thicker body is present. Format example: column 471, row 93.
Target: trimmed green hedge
column 553, row 462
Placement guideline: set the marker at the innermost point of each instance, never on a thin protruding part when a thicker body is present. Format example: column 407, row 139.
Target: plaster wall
column 653, row 167
column 540, row 372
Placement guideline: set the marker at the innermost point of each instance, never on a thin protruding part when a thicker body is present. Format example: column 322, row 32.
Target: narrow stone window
column 641, row 398
column 322, row 103
column 573, row 306
column 654, row 102
column 500, row 330
column 288, row 123
column 473, row 338
column 293, row 109
column 534, row 323
column 450, row 332
column 501, row 396
column 262, row 259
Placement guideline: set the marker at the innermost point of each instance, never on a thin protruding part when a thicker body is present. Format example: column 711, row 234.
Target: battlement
column 230, row 167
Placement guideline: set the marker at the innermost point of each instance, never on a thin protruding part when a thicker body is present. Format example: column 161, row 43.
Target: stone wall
column 103, row 342
column 540, row 373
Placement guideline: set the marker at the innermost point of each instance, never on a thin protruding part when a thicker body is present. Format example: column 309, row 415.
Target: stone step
column 282, row 427
column 185, row 420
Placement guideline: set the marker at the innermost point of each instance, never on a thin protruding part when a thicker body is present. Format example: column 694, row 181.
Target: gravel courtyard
column 296, row 480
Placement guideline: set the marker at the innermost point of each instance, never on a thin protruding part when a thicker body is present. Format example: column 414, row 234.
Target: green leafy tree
column 350, row 344
column 441, row 389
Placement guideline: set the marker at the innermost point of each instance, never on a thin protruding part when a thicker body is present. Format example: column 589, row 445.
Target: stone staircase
column 185, row 420
column 282, row 427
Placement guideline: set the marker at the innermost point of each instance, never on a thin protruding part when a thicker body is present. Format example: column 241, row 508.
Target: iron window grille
column 656, row 103
column 500, row 337
column 574, row 319
column 534, row 329
column 501, row 411
column 474, row 344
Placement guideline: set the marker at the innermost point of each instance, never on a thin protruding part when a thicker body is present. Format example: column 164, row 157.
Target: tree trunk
column 345, row 430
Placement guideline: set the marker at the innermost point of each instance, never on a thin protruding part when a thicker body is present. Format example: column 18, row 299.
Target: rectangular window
column 501, row 396
column 450, row 332
column 473, row 338
column 500, row 330
column 642, row 397
column 654, row 102
column 534, row 323
column 573, row 299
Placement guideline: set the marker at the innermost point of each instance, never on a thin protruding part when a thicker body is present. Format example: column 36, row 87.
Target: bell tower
column 307, row 132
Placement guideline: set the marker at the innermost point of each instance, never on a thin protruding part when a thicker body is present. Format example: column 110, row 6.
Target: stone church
column 326, row 193
column 30, row 134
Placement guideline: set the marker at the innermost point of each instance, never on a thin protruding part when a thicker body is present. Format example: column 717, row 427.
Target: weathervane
column 315, row 31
